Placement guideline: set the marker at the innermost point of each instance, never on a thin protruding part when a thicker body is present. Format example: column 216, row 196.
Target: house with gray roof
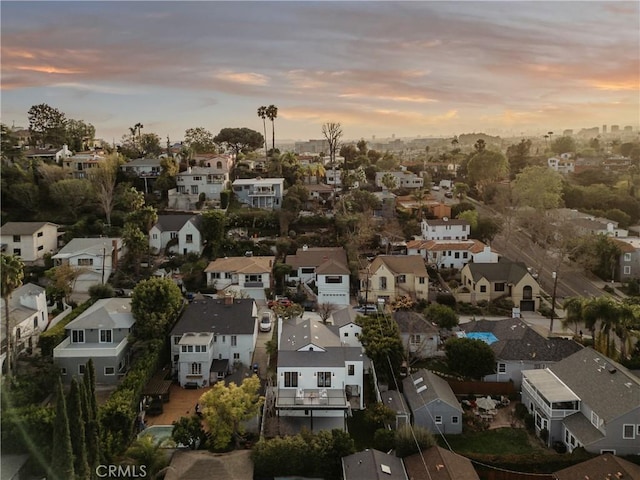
column 606, row 466
column 372, row 464
column 394, row 400
column 433, row 404
column 518, row 347
column 320, row 373
column 212, row 338
column 99, row 333
column 503, row 279
column 586, row 400
column 178, row 234
column 419, row 336
column 437, row 463
column 29, row 240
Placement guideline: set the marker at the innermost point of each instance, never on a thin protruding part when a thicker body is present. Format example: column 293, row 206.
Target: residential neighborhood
column 352, row 266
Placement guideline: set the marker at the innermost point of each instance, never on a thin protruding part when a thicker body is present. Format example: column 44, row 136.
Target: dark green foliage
column 458, row 208
column 225, row 198
column 406, row 440
column 77, row 431
column 470, row 358
column 99, row 291
column 240, row 140
column 442, row 315
column 52, row 337
column 213, row 227
column 379, row 414
column 28, row 430
column 188, row 431
column 446, row 299
column 383, row 345
column 90, row 413
column 155, row 305
column 384, row 439
column 61, row 466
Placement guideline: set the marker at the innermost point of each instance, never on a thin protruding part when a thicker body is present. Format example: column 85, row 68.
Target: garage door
column 527, row 305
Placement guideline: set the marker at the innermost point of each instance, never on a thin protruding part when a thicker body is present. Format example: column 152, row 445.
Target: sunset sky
column 380, row 68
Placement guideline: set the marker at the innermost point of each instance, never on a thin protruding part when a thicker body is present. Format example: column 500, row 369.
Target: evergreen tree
column 92, row 425
column 77, row 431
column 61, row 467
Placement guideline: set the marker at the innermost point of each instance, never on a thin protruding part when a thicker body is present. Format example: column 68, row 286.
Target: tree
column 188, row 431
column 442, row 315
column 77, row 432
column 143, row 218
column 272, row 114
column 487, row 228
column 383, row 345
column 332, row 131
column 389, row 181
column 64, row 278
column 519, row 156
column 47, row 125
column 146, row 451
column 471, row 216
column 103, row 179
column 150, row 145
column 11, row 273
column 226, row 408
column 24, row 196
column 486, row 167
column 10, row 151
column 200, row 140
column 79, row 135
column 325, row 310
column 262, row 113
column 563, row 145
column 213, row 227
column 137, row 245
column 603, row 311
column 539, row 188
column 92, row 424
column 573, row 312
column 410, row 440
column 72, row 194
column 469, row 357
column 240, row 140
column 155, row 304
column 460, row 191
column 362, row 146
column 61, row 466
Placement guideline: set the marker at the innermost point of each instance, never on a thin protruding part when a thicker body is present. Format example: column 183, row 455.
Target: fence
column 482, row 388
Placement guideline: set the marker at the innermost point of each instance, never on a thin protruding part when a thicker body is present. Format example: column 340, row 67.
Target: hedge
column 52, row 337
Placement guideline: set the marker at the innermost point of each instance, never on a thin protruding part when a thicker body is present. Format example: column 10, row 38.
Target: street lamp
column 554, row 275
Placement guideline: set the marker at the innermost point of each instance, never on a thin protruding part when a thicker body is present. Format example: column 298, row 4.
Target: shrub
column 408, row 442
column 99, row 291
column 384, row 439
column 446, row 299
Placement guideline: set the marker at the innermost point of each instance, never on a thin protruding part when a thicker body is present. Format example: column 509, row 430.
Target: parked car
column 366, row 309
column 265, row 322
column 448, row 194
column 435, row 188
column 284, row 301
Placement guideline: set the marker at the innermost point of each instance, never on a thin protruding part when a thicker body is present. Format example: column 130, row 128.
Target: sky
column 407, row 69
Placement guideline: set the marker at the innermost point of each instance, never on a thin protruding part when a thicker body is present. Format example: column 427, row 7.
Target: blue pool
column 486, row 337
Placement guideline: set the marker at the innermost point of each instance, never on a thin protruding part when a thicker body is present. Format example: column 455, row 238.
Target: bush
column 521, row 411
column 408, row 442
column 446, row 299
column 384, row 439
column 99, row 291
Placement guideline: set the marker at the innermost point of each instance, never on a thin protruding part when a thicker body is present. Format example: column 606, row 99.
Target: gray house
column 419, row 336
column 518, row 347
column 432, row 403
column 396, row 402
column 99, row 333
column 586, row 400
column 373, row 465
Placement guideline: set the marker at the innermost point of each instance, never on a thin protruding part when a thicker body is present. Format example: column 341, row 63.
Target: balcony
column 564, row 403
column 262, row 192
column 312, row 398
column 67, row 349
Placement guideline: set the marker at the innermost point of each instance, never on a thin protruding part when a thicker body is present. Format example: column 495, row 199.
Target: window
column 106, row 336
column 224, row 338
column 500, row 287
column 236, row 356
column 415, row 339
column 627, row 270
column 189, row 238
column 383, row 283
column 81, row 369
column 455, row 419
column 173, row 235
column 290, row 379
column 85, row 262
column 627, row 257
column 77, row 336
column 17, row 251
column 40, row 248
column 154, row 236
column 63, row 371
column 438, row 420
column 483, row 288
column 40, row 234
column 351, row 370
column 308, row 270
column 196, row 369
column 628, row 431
column 333, row 279
column 35, row 322
column 194, row 189
column 502, row 368
column 16, row 238
column 465, row 255
column 109, row 371
column 187, row 348
column 324, row 379
column 402, row 279
column 345, row 334
column 456, row 255
column 595, row 419
column 176, row 340
column 421, row 280
column 197, row 178
column 234, row 340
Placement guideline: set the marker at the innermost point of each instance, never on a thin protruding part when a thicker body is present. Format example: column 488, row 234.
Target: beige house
column 392, row 276
column 241, row 275
column 504, row 279
column 29, row 240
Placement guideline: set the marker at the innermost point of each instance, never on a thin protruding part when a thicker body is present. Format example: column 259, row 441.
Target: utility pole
column 553, row 300
column 104, row 254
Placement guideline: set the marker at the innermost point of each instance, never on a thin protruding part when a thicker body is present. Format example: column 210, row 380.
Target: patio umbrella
column 486, row 403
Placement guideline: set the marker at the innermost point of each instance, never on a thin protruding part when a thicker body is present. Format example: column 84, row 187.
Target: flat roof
column 549, row 386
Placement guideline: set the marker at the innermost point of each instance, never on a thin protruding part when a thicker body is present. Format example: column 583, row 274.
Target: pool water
column 486, row 337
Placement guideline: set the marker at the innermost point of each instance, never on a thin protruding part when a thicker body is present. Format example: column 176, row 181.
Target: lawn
column 501, row 441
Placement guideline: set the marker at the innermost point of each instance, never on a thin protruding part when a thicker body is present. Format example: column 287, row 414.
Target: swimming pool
column 160, row 433
column 486, row 337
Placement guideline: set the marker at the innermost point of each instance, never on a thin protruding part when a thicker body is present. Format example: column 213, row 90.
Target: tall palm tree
column 272, row 114
column 11, row 274
column 573, row 312
column 626, row 318
column 149, row 452
column 604, row 311
column 262, row 113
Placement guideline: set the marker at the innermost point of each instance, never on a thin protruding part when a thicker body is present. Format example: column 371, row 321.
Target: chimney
column 305, row 248
column 228, row 299
column 114, row 255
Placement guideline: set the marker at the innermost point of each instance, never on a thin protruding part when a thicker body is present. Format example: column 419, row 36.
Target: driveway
column 260, row 355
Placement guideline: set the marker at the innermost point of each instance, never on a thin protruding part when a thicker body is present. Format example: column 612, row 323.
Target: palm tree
column 604, row 311
column 573, row 312
column 272, row 114
column 146, row 451
column 12, row 271
column 626, row 318
column 419, row 196
column 262, row 113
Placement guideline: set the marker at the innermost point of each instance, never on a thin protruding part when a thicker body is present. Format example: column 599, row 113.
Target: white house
column 244, row 275
column 320, row 377
column 259, row 192
column 96, row 257
column 445, row 229
column 403, row 179
column 29, row 240
column 177, row 233
column 28, row 317
column 562, row 164
column 212, row 338
column 196, row 181
column 101, row 334
column 451, row 253
column 327, row 267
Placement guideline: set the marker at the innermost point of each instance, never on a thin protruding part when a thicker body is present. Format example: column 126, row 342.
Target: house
column 28, row 317
column 29, row 240
column 333, row 177
column 586, row 400
column 403, row 179
column 199, row 182
column 80, row 165
column 629, row 260
column 260, row 192
column 451, row 253
column 177, row 233
column 320, row 374
column 147, row 169
column 327, row 268
column 606, row 466
column 585, row 224
column 321, row 194
column 503, row 279
column 518, row 347
column 212, row 338
column 562, row 164
column 394, row 400
column 419, row 336
column 391, row 276
column 432, row 403
column 97, row 258
column 244, row 275
column 417, row 207
column 372, row 464
column 445, row 229
column 54, row 154
column 441, row 464
column 99, row 333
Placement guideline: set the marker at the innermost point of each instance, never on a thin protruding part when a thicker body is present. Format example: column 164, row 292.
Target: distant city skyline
column 407, row 69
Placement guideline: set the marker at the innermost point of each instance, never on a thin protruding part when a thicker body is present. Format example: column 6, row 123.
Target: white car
column 265, row 322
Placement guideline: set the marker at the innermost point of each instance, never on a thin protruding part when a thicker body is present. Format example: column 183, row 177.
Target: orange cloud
column 246, row 78
column 48, row 69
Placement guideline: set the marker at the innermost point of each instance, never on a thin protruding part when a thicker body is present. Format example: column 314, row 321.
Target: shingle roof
column 89, row 246
column 315, row 256
column 582, row 428
column 618, row 389
column 413, row 322
column 105, row 313
column 450, row 221
column 344, row 316
column 473, row 246
column 605, row 466
column 441, row 464
column 518, row 341
column 213, row 315
column 437, row 389
column 504, row 270
column 241, row 265
column 173, row 223
column 400, row 264
column 23, row 228
column 367, row 465
column 332, row 267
